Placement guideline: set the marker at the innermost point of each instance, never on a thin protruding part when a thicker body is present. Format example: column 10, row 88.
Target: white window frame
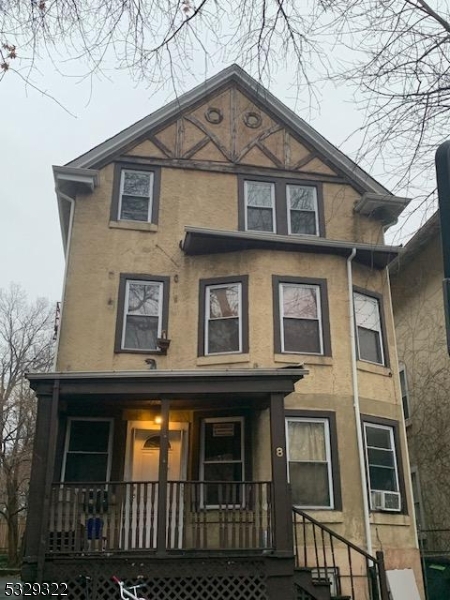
column 240, row 420
column 150, row 194
column 70, row 420
column 402, row 374
column 208, row 289
column 273, row 198
column 379, row 330
column 143, row 282
column 319, row 315
column 394, row 452
column 326, row 424
column 290, row 209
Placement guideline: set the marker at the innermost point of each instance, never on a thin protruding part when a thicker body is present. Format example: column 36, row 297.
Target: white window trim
column 273, row 198
column 326, row 423
column 208, row 288
column 289, row 209
column 160, row 284
column 393, row 450
column 240, row 420
column 379, row 331
column 319, row 316
column 70, row 420
column 150, row 194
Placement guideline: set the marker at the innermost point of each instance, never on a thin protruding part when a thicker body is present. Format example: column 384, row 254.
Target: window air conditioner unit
column 389, row 501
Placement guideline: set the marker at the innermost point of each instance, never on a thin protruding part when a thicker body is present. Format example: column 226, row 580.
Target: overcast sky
column 37, row 133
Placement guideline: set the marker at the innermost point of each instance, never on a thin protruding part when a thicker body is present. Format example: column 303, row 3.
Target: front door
column 143, row 472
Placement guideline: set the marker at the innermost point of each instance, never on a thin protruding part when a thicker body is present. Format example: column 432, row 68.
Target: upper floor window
column 260, row 206
column 369, row 328
column 276, row 205
column 142, row 312
column 382, row 466
column 135, row 194
column 301, row 316
column 302, row 209
column 223, row 316
column 87, row 454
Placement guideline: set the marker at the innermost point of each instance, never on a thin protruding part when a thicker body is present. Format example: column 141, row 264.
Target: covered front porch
column 159, row 463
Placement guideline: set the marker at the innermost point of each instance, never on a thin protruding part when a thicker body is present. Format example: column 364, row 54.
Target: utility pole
column 442, row 161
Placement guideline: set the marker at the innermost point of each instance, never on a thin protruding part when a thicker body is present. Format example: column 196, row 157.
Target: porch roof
column 173, row 384
column 200, row 240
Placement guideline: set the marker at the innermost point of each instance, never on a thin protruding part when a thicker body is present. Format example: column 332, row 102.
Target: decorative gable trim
column 232, row 76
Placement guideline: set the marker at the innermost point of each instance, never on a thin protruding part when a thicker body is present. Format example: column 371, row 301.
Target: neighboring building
column 417, row 297
column 209, row 375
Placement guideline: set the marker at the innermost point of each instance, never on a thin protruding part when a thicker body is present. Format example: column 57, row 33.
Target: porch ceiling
column 249, row 384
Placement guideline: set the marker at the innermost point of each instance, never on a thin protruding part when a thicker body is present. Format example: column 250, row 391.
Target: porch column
column 282, row 504
column 42, row 468
column 162, row 480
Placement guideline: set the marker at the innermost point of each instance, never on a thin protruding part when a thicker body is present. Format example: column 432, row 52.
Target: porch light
column 158, row 420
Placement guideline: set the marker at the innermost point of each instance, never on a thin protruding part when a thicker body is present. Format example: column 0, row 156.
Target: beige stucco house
column 418, row 302
column 225, row 416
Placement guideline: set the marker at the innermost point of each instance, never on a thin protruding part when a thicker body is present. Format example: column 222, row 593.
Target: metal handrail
column 325, row 556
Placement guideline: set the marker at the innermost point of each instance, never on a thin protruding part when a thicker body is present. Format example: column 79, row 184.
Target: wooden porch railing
column 122, row 516
column 350, row 569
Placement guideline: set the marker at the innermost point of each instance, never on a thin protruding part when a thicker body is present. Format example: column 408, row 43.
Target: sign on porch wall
column 223, row 429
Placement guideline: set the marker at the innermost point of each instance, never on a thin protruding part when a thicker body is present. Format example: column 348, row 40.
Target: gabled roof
column 106, row 151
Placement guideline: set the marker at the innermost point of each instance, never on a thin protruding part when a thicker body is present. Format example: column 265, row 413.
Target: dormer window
column 135, row 194
column 282, row 206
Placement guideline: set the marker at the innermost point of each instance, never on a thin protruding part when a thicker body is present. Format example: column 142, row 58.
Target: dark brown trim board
column 204, row 283
column 322, row 283
column 124, row 277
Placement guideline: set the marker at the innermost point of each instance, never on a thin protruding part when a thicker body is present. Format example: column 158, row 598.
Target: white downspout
column 66, row 267
column 359, row 436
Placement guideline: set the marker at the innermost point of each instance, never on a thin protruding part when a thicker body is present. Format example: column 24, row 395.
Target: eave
column 384, row 207
column 175, row 384
column 69, row 182
column 198, row 241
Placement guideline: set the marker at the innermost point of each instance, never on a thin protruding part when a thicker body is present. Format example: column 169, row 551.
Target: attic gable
column 231, row 134
column 231, row 128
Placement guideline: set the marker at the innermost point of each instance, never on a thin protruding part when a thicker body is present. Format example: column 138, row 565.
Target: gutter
column 356, row 408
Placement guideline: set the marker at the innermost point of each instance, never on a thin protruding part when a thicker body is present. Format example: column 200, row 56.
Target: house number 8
column 279, row 451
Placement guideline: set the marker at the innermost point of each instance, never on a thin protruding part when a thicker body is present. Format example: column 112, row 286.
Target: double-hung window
column 382, row 467
column 301, row 322
column 88, row 450
column 369, row 331
column 136, row 195
column 222, row 460
column 142, row 313
column 223, row 316
column 260, row 206
column 282, row 206
column 303, row 215
column 309, row 462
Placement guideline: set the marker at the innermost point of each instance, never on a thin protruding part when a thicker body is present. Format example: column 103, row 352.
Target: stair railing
column 333, row 558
